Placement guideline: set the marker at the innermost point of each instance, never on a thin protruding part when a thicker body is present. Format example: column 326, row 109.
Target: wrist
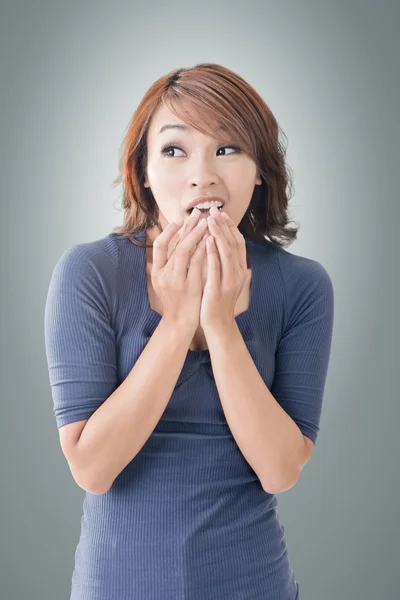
column 222, row 329
column 182, row 328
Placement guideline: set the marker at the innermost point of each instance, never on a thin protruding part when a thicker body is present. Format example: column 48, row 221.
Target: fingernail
column 201, row 223
column 214, row 211
column 195, row 212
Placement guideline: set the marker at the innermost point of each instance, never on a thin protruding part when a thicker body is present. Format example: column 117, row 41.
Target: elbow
column 87, row 479
column 90, row 484
column 93, row 488
column 279, row 485
column 96, row 491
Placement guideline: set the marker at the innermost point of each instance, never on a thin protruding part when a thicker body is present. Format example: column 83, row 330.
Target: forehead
column 165, row 120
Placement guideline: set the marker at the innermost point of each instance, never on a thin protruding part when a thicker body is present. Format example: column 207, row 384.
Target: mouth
column 204, row 212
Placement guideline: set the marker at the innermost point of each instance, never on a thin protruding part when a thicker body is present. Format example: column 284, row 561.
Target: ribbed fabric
column 187, row 519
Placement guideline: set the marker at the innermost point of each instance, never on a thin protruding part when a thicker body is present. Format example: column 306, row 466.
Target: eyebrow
column 181, row 127
column 174, row 126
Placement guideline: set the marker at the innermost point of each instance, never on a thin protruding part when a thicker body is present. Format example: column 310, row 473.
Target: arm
column 269, row 439
column 119, row 428
column 276, row 429
column 102, row 423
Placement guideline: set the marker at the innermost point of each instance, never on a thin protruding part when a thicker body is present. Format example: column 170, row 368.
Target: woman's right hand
column 176, row 275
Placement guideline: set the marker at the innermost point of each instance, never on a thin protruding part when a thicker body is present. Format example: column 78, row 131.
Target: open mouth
column 204, row 211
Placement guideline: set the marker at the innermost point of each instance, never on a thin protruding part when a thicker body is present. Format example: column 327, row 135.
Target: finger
column 214, row 264
column 190, row 223
column 238, row 241
column 161, row 243
column 222, row 223
column 196, row 261
column 185, row 249
column 227, row 254
column 172, row 244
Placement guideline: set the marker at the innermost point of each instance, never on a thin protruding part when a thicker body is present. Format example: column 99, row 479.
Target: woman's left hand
column 226, row 271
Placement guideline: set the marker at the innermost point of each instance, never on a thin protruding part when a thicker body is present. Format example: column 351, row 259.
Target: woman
column 188, row 375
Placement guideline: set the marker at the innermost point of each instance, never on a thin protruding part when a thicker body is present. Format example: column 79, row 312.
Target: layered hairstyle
column 210, row 97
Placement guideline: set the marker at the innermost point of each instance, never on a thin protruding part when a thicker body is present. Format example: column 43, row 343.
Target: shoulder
column 99, row 256
column 296, row 269
column 302, row 284
column 103, row 261
column 306, row 283
column 87, row 270
column 293, row 270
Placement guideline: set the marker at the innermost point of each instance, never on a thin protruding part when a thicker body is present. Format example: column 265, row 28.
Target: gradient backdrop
column 72, row 74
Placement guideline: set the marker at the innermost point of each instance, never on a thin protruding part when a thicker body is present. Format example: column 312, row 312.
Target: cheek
column 243, row 178
column 240, row 185
column 161, row 175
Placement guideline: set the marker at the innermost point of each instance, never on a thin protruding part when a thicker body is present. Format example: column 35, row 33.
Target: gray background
column 72, row 74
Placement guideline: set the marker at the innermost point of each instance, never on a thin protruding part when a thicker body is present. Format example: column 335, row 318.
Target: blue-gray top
column 187, row 519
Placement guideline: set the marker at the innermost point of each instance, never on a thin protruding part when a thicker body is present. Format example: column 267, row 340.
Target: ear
column 258, row 179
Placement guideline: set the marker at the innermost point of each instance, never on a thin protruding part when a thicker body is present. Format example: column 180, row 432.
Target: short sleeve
column 79, row 338
column 303, row 352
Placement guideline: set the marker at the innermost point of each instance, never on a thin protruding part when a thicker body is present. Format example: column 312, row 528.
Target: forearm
column 119, row 428
column 268, row 438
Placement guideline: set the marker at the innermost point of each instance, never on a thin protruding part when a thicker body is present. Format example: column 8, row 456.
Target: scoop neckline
column 241, row 319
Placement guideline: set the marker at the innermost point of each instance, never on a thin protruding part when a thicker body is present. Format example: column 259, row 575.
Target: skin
column 195, row 168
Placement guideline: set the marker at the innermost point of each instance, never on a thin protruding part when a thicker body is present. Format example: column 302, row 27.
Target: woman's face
column 199, row 165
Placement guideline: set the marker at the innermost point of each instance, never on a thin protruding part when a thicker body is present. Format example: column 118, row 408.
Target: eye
column 169, row 146
column 235, row 148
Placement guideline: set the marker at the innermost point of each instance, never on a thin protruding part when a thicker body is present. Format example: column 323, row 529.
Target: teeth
column 207, row 205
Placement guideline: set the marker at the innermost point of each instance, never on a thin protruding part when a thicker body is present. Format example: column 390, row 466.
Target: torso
column 199, row 341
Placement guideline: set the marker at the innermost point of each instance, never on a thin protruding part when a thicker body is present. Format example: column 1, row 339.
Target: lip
column 203, row 199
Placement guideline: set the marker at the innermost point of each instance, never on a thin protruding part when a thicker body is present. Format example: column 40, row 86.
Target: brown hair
column 208, row 97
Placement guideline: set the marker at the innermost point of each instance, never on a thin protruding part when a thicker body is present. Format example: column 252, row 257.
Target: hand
column 226, row 271
column 176, row 271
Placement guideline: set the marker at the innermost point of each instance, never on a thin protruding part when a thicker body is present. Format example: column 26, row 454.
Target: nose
column 202, row 174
